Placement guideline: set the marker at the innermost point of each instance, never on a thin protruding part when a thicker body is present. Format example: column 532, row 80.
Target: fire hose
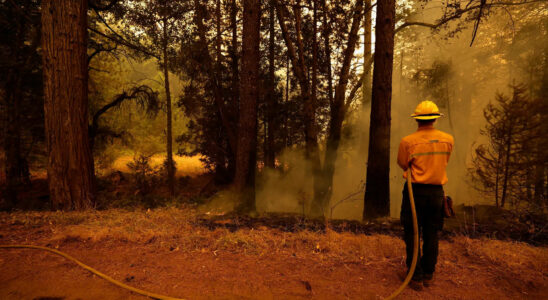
column 163, row 297
column 92, row 270
column 415, row 239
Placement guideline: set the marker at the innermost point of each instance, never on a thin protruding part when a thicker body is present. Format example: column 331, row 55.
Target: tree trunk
column 234, row 58
column 169, row 134
column 309, row 110
column 246, row 154
column 366, row 77
column 270, row 153
column 218, row 33
column 326, row 32
column 64, row 44
column 377, row 190
column 497, row 178
column 338, row 111
column 366, row 80
column 225, row 112
column 309, row 103
column 314, row 89
column 506, row 166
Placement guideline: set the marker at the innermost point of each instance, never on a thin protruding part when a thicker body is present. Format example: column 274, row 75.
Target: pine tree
column 500, row 167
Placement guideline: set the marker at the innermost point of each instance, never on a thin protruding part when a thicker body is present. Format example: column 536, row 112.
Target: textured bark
column 64, row 44
column 247, row 123
column 377, row 190
column 169, row 134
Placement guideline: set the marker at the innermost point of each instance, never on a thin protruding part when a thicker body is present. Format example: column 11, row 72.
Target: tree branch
column 125, row 43
column 93, row 4
column 459, row 14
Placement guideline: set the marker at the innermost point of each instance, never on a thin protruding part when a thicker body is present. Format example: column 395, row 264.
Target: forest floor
column 181, row 252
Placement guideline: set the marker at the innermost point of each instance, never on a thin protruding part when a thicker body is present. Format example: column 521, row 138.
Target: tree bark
column 377, row 190
column 246, row 154
column 64, row 44
column 169, row 134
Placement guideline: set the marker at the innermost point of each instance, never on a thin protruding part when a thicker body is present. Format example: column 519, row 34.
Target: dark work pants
column 429, row 207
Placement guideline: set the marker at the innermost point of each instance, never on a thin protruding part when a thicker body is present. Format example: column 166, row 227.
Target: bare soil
column 173, row 251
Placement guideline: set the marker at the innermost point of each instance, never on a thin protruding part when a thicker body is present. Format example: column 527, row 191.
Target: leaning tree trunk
column 246, row 154
column 64, row 44
column 377, row 189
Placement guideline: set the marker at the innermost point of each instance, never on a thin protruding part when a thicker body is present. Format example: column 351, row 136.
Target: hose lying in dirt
column 92, row 270
column 162, row 297
column 415, row 239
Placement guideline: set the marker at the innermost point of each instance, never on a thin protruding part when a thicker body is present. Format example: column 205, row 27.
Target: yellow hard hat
column 427, row 110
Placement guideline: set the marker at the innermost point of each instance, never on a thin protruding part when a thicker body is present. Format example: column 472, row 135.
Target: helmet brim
column 426, row 117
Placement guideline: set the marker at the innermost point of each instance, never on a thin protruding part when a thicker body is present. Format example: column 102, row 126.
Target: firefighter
column 427, row 153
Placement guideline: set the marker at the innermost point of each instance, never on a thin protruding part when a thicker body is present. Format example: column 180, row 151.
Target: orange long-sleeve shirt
column 428, row 151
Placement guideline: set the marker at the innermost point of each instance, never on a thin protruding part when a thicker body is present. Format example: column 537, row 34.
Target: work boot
column 416, row 285
column 428, row 279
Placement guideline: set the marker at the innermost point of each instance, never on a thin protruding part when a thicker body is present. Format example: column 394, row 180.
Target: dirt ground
column 168, row 251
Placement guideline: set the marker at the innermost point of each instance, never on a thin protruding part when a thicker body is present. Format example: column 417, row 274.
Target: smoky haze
column 440, row 66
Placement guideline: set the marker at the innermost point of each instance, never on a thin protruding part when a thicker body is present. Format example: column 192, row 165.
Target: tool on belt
column 448, row 211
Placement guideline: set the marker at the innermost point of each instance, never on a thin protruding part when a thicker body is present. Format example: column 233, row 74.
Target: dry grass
column 186, row 166
column 512, row 259
column 177, row 228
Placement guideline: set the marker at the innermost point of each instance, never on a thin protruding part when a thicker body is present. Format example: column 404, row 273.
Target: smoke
column 439, row 66
column 289, row 190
